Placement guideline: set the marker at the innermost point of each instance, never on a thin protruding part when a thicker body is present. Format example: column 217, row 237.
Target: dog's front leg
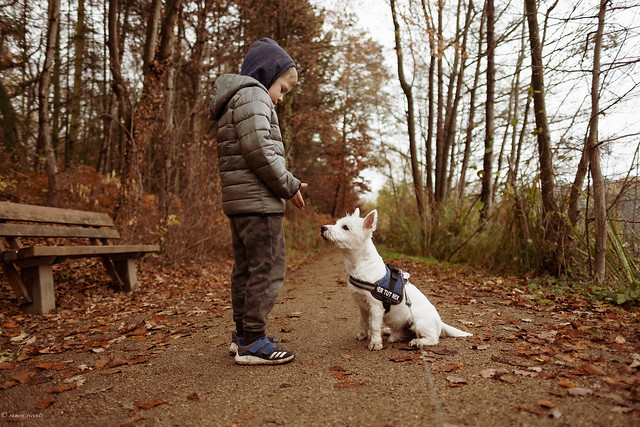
column 364, row 322
column 376, row 316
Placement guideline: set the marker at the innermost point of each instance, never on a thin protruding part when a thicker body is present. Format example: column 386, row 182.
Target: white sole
column 254, row 360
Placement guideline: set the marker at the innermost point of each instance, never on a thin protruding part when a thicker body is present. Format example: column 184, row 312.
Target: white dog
column 414, row 317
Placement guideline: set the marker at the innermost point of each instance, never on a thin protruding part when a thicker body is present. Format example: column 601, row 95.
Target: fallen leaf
column 455, row 381
column 546, row 404
column 63, row 388
column 19, row 338
column 286, row 385
column 7, row 365
column 44, row 365
column 8, row 384
column 591, row 369
column 450, row 367
column 488, row 373
column 101, row 362
column 348, row 384
column 579, row 391
column 194, row 397
column 23, row 377
column 508, row 379
column 620, row 339
column 566, row 384
column 405, row 358
column 480, row 347
column 45, row 403
column 566, row 358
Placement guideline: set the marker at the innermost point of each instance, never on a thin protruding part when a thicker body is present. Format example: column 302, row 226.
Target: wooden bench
column 28, row 267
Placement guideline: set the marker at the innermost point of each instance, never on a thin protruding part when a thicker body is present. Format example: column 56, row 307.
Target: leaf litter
column 559, row 352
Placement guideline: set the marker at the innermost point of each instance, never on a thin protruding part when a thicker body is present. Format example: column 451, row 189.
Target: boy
column 255, row 185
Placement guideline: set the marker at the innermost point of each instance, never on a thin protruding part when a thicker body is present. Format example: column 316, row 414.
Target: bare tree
column 406, row 88
column 44, row 124
column 593, row 148
column 145, row 120
column 543, row 136
column 472, row 110
column 76, row 95
column 485, row 195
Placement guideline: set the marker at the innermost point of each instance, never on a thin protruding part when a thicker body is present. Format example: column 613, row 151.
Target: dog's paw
column 386, row 331
column 394, row 338
column 419, row 342
column 375, row 346
column 362, row 335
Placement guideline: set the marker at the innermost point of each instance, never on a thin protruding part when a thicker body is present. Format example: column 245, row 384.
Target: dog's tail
column 450, row 331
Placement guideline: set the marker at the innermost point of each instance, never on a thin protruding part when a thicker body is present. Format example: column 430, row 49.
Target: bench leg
column 126, row 270
column 39, row 283
column 15, row 280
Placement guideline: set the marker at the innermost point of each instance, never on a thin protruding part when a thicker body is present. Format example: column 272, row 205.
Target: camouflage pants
column 258, row 272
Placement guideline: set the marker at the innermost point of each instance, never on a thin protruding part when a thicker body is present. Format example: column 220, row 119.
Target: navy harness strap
column 389, row 289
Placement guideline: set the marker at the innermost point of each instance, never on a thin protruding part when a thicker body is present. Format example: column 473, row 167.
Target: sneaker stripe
column 262, row 351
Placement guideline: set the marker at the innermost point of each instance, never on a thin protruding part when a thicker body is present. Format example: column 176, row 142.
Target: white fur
column 421, row 322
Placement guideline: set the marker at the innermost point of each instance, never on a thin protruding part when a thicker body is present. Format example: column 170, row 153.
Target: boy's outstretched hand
column 298, row 200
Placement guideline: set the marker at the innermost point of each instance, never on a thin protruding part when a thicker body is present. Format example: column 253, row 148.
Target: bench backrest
column 44, row 221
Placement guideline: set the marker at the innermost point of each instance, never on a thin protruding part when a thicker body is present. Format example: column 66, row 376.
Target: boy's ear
column 371, row 220
column 357, row 212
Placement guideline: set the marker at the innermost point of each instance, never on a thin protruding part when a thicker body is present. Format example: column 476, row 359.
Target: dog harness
column 389, row 289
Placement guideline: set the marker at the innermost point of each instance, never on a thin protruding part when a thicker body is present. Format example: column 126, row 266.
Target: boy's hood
column 224, row 88
column 266, row 61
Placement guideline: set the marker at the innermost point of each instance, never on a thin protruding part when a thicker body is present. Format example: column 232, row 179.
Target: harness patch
column 390, row 290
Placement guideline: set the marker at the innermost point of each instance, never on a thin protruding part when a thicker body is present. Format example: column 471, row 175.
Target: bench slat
column 20, row 212
column 30, row 230
column 77, row 251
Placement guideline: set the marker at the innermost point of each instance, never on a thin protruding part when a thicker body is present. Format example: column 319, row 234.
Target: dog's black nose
column 323, row 229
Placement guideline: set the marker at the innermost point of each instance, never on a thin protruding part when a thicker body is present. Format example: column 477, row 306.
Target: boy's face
column 283, row 85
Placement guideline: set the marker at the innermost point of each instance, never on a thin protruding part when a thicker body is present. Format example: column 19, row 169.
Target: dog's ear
column 357, row 212
column 371, row 220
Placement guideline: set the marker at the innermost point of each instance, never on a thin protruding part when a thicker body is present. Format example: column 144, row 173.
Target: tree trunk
column 44, row 124
column 594, row 156
column 552, row 226
column 145, row 120
column 76, row 95
column 118, row 84
column 151, row 41
column 451, row 120
column 430, row 104
column 56, row 89
column 485, row 194
column 406, row 88
column 472, row 109
column 195, row 64
column 440, row 148
column 9, row 124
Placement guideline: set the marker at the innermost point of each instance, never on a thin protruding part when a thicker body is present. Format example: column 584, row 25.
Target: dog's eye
column 345, row 227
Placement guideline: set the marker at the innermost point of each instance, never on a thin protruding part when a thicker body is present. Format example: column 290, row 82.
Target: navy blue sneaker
column 233, row 347
column 262, row 352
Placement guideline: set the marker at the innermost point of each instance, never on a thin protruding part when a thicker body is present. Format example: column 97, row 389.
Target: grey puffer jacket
column 251, row 160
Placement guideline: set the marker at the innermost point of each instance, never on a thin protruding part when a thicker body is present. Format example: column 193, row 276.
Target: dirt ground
column 160, row 356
